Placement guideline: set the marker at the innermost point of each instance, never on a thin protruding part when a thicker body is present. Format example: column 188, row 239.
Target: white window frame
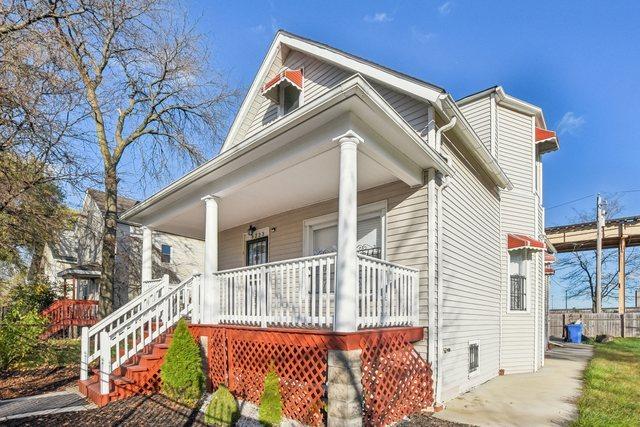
column 527, row 282
column 368, row 211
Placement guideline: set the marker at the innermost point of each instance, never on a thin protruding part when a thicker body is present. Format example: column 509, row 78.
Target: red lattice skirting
column 239, row 357
column 396, row 380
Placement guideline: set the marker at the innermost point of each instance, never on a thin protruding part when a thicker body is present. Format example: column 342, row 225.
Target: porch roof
column 295, row 156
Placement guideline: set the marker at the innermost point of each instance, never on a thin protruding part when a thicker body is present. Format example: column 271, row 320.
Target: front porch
column 307, row 230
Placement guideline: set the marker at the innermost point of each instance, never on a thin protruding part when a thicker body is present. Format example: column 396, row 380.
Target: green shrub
column 32, row 296
column 223, row 408
column 181, row 372
column 19, row 336
column 270, row 410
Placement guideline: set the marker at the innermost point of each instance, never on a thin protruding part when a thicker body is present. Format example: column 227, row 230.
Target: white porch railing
column 387, row 293
column 301, row 293
column 298, row 292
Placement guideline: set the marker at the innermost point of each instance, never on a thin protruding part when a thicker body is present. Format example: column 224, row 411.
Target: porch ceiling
column 310, row 181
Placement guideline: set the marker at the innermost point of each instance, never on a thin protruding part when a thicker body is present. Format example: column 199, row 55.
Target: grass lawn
column 611, row 395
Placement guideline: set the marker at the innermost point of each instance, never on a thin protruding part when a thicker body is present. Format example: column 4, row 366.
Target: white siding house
column 339, row 176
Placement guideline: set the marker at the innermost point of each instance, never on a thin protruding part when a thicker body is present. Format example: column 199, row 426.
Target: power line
column 591, row 195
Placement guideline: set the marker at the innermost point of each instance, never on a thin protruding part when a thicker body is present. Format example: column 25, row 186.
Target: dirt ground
column 30, row 382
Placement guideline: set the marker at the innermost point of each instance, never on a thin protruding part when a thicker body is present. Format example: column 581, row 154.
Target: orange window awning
column 549, row 258
column 546, row 140
column 520, row 241
column 292, row 77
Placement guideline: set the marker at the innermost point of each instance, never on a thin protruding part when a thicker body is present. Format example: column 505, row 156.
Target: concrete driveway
column 544, row 398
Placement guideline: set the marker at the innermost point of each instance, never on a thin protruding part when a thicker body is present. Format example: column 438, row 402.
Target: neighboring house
column 348, row 199
column 175, row 256
column 57, row 257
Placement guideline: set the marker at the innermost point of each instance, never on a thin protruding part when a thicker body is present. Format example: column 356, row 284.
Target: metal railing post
column 84, row 353
column 105, row 362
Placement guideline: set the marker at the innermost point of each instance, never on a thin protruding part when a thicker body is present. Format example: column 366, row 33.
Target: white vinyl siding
column 469, row 268
column 521, row 331
column 478, row 114
column 320, row 77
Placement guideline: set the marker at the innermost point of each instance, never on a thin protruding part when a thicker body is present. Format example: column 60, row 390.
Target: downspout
column 443, row 129
column 444, row 182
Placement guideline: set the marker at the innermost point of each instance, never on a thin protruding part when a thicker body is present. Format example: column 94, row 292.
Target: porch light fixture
column 252, row 229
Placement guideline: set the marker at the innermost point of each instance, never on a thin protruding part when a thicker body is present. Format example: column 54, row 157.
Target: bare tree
column 146, row 83
column 37, row 158
column 578, row 267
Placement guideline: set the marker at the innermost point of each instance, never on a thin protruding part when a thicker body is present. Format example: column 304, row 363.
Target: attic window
column 285, row 89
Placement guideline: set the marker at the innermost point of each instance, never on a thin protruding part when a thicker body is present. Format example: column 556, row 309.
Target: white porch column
column 209, row 293
column 147, row 254
column 346, row 309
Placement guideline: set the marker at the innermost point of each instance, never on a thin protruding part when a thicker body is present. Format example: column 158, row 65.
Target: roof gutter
column 451, row 110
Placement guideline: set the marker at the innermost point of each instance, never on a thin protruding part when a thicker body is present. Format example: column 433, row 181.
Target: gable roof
column 354, row 87
column 411, row 86
column 99, row 197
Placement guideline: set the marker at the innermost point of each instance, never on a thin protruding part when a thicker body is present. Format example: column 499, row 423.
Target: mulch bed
column 30, row 382
column 155, row 410
column 419, row 419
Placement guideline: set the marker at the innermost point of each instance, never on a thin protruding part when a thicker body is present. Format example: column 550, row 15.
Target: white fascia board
column 254, row 90
column 507, row 101
column 449, row 107
column 355, row 85
column 398, row 81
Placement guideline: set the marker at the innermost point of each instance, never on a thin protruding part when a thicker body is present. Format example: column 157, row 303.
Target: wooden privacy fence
column 594, row 324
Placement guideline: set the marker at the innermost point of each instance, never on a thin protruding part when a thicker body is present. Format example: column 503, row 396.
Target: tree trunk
column 107, row 278
column 35, row 268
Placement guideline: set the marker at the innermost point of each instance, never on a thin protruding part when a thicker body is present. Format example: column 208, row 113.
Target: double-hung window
column 517, row 281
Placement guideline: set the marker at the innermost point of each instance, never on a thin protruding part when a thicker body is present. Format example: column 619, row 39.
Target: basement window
column 474, row 353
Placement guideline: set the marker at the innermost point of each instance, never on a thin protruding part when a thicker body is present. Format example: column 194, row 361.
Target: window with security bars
column 518, row 292
column 474, row 352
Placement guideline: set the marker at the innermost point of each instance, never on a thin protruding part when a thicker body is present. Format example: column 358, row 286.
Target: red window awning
column 549, row 258
column 546, row 140
column 520, row 241
column 549, row 271
column 293, row 77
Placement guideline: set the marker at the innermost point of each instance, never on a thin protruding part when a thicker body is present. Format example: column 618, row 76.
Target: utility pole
column 600, row 229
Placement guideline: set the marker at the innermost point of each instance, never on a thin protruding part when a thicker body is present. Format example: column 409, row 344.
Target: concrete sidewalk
column 544, row 398
column 49, row 403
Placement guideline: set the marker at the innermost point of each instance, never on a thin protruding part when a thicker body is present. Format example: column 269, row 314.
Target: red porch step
column 138, row 375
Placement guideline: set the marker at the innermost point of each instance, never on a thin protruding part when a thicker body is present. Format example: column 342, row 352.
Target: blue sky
column 579, row 61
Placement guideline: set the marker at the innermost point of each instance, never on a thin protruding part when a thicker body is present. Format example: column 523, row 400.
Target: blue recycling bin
column 574, row 333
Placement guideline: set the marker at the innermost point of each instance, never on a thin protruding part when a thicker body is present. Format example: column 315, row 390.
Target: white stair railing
column 131, row 336
column 90, row 337
column 139, row 321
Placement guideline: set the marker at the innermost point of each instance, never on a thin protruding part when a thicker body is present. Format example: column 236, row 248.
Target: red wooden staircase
column 138, row 375
column 121, row 355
